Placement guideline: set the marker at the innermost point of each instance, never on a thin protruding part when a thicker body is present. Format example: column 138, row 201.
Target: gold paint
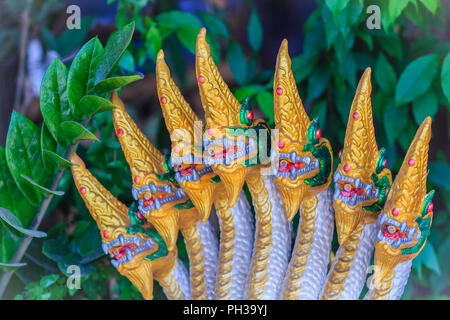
column 302, row 249
column 180, row 122
column 335, row 282
column 221, row 111
column 196, row 255
column 224, row 279
column 292, row 122
column 221, row 107
column 263, row 243
column 408, row 194
column 361, row 153
column 168, row 220
column 111, row 216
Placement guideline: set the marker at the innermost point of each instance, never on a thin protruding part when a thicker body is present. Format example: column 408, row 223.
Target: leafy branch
column 69, row 99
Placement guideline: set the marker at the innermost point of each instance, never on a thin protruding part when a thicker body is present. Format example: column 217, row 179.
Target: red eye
column 283, row 163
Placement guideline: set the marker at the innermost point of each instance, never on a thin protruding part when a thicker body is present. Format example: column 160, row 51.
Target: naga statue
column 287, row 170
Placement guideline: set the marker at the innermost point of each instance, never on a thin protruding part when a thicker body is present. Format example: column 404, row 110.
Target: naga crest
column 302, row 157
column 186, row 159
column 361, row 180
column 230, row 141
column 158, row 198
column 136, row 249
column 404, row 224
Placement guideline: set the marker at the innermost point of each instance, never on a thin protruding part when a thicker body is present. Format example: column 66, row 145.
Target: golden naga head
column 134, row 246
column 185, row 128
column 158, row 198
column 302, row 157
column 361, row 180
column 404, row 224
column 230, row 147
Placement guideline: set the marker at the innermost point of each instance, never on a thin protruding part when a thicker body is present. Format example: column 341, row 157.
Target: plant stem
column 18, row 255
column 22, row 56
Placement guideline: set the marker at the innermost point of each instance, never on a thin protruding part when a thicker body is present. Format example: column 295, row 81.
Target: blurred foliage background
column 330, row 45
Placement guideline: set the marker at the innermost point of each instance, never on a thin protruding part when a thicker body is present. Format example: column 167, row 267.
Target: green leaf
column 11, row 198
column 23, row 155
column 47, row 281
column 385, row 74
column 47, row 142
column 127, row 62
column 59, row 161
column 114, row 83
column 82, row 74
column 43, row 190
column 76, row 132
column 238, row 64
column 302, row 66
column 91, row 105
column 425, row 105
column 114, row 49
column 439, row 174
column 11, row 266
column 336, row 6
column 177, row 18
column 431, row 5
column 265, row 102
column 255, row 31
column 153, row 42
column 53, row 99
column 188, row 36
column 214, row 24
column 318, row 82
column 247, row 91
column 445, row 77
column 395, row 119
column 12, row 221
column 396, row 7
column 416, row 78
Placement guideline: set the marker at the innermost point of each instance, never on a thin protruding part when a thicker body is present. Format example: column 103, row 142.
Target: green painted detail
column 424, row 227
column 243, row 112
column 170, row 174
column 428, row 200
column 379, row 167
column 245, row 131
column 312, row 129
column 382, row 184
column 215, row 179
column 322, row 153
column 152, row 233
column 132, row 213
column 185, row 205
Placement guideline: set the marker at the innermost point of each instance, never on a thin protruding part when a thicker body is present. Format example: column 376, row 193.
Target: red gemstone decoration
column 105, row 234
column 250, row 115
column 386, row 192
column 119, row 132
column 347, row 168
column 83, row 190
column 411, row 162
column 281, row 144
column 279, row 91
column 210, row 131
column 139, row 215
column 318, row 133
column 137, row 179
column 385, row 163
column 146, row 203
column 176, row 149
column 163, row 100
column 395, row 212
column 201, row 79
column 297, row 165
column 340, row 153
column 430, row 207
column 355, row 115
